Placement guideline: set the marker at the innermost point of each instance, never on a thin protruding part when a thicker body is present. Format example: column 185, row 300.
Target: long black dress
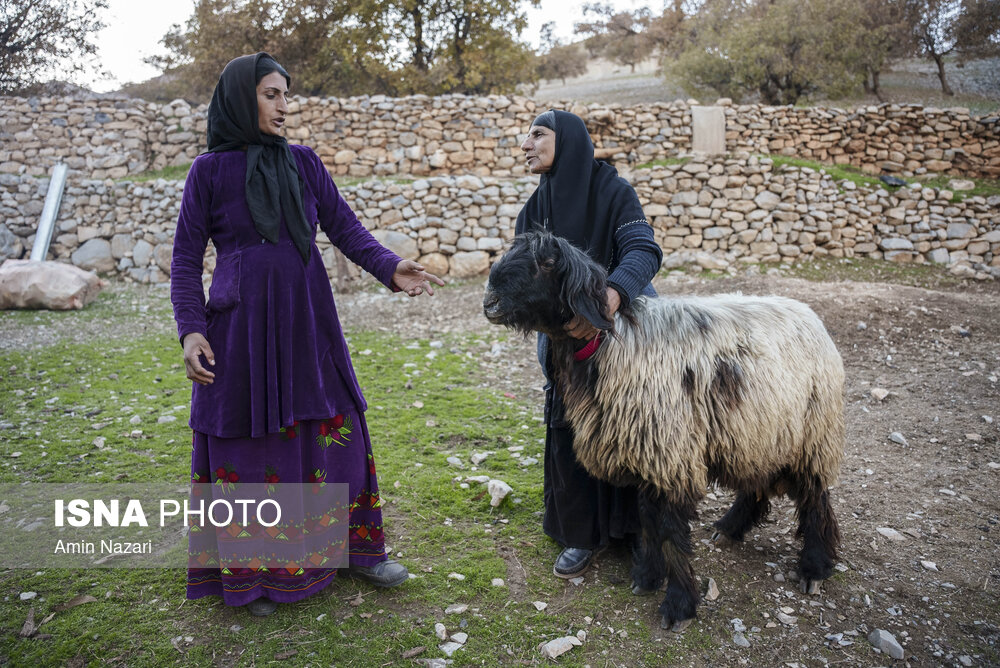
column 585, row 201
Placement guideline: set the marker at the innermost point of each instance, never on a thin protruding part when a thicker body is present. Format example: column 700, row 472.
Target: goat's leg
column 679, row 607
column 648, row 567
column 819, row 531
column 748, row 510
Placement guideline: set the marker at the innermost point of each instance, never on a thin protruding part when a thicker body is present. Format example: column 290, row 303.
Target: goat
column 746, row 392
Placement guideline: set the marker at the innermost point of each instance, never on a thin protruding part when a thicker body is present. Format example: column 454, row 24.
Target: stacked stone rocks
column 908, row 139
column 110, row 137
column 97, row 138
column 744, row 209
column 713, row 213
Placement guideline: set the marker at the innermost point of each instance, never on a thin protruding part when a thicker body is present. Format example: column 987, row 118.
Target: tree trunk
column 419, row 47
column 945, row 88
column 876, row 86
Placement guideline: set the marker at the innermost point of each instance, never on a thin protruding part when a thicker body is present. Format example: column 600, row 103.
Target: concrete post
column 708, row 131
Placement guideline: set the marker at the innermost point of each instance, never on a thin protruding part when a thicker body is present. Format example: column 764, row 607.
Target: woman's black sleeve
column 636, row 251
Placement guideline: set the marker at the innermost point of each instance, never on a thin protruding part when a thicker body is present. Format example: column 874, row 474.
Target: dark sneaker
column 386, row 573
column 572, row 561
column 261, row 607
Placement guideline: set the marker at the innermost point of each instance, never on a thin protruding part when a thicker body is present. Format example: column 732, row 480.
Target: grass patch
column 352, row 181
column 984, row 187
column 664, row 162
column 427, row 403
column 870, row 270
column 836, row 172
column 169, row 173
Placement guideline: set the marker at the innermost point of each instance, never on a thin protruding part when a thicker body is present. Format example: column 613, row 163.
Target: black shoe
column 261, row 607
column 572, row 561
column 386, row 573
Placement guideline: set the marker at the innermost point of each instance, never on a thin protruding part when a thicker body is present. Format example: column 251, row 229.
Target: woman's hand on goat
column 411, row 278
column 580, row 328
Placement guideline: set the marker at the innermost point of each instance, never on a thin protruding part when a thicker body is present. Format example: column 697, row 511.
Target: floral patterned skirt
column 336, row 450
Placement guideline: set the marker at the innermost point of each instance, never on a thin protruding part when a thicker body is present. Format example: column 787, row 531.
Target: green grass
column 61, row 397
column 836, row 172
column 984, row 187
column 170, row 173
column 351, row 181
column 870, row 270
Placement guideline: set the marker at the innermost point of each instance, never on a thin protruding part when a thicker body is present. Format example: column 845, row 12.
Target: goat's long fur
column 743, row 391
column 729, row 388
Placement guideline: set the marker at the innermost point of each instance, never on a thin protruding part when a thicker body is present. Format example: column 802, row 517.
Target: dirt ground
column 919, row 515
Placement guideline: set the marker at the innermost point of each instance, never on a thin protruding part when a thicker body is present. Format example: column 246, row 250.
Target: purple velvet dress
column 285, row 405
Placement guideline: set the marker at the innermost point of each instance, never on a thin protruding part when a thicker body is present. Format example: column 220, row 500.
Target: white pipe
column 43, row 237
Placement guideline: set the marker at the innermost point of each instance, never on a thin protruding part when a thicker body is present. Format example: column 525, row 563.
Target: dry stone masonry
column 447, row 179
column 111, row 137
column 716, row 214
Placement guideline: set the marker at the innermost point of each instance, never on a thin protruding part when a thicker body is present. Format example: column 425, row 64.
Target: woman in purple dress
column 275, row 399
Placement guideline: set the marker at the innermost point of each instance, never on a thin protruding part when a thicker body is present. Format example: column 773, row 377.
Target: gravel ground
column 918, row 511
column 921, row 543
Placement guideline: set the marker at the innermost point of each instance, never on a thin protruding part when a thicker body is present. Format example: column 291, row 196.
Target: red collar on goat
column 589, row 349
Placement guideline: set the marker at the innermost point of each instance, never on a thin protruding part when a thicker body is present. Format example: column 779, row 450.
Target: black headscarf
column 272, row 184
column 578, row 198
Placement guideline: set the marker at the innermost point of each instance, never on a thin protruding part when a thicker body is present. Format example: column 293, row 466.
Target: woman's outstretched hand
column 195, row 345
column 411, row 278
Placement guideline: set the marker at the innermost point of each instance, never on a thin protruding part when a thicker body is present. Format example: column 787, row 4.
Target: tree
column 353, row 47
column 44, row 38
column 562, row 62
column 881, row 34
column 782, row 50
column 325, row 44
column 932, row 24
column 970, row 28
column 978, row 29
column 464, row 46
column 559, row 61
column 622, row 37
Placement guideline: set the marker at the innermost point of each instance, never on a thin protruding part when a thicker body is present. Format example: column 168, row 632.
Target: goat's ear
column 583, row 285
column 593, row 311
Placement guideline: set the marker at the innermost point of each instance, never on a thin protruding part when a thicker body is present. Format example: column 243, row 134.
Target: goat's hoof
column 810, row 587
column 677, row 627
column 638, row 590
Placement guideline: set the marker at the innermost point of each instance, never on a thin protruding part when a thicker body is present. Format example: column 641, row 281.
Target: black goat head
column 541, row 283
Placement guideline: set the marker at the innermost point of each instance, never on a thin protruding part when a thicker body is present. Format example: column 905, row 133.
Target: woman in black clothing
column 585, row 201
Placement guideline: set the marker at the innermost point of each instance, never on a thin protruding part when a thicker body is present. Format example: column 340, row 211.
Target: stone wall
column 718, row 213
column 715, row 214
column 453, row 134
column 97, row 138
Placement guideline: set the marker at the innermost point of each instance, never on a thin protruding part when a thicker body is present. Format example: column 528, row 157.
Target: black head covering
column 579, row 197
column 272, row 184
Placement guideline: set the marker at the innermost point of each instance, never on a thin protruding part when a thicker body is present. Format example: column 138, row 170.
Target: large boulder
column 399, row 243
column 46, row 284
column 94, row 255
column 469, row 264
column 10, row 244
column 435, row 263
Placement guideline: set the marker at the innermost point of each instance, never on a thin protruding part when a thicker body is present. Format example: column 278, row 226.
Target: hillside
column 913, row 81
